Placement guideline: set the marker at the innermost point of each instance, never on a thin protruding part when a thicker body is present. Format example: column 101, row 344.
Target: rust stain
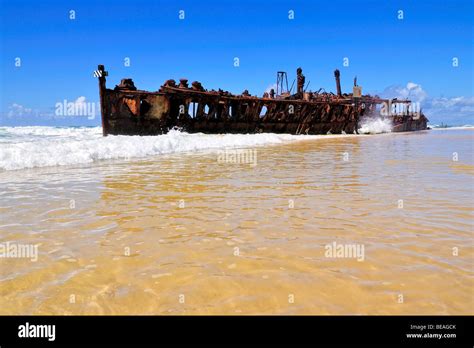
column 130, row 111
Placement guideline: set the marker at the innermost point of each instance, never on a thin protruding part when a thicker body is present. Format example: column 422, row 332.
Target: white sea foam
column 29, row 147
column 375, row 126
column 444, row 127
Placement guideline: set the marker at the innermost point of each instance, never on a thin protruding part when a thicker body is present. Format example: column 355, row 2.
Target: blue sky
column 58, row 55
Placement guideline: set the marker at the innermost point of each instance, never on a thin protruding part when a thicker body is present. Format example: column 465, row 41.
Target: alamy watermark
column 79, row 107
column 28, row 330
column 237, row 156
column 16, row 251
column 393, row 108
column 356, row 251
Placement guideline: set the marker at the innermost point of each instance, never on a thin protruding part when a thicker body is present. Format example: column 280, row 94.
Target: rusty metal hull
column 127, row 111
column 409, row 123
column 144, row 113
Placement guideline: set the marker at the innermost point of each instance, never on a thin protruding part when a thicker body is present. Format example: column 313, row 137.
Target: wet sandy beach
column 189, row 234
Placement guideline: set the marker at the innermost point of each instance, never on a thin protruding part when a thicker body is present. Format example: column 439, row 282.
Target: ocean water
column 236, row 224
column 32, row 147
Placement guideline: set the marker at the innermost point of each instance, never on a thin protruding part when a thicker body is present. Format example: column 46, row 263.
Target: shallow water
column 184, row 233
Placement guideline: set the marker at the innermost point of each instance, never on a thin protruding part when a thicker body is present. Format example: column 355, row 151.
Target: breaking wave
column 375, row 126
column 29, row 147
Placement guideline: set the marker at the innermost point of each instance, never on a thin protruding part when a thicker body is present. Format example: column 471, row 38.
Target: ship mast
column 282, row 79
column 101, row 74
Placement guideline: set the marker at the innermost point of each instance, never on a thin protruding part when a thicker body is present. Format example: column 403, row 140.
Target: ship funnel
column 337, row 75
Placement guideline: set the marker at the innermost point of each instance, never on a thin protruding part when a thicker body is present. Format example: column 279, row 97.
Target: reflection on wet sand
column 185, row 234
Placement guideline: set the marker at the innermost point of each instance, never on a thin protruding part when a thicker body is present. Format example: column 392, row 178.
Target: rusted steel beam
column 101, row 74
column 337, row 75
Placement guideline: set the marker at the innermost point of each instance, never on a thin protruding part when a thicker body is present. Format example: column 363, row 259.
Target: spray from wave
column 375, row 126
column 29, row 147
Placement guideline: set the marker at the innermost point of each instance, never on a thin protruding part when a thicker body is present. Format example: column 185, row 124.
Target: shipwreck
column 126, row 110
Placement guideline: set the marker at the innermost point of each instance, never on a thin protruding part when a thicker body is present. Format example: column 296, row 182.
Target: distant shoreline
column 450, row 127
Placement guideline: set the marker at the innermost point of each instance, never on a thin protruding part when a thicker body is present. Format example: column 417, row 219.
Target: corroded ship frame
column 128, row 111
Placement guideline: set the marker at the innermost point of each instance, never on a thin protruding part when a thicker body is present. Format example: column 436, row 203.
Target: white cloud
column 270, row 87
column 459, row 108
column 20, row 115
column 17, row 110
column 412, row 91
column 452, row 111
